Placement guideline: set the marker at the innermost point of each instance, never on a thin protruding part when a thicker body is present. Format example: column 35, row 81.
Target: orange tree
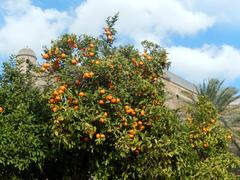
column 109, row 119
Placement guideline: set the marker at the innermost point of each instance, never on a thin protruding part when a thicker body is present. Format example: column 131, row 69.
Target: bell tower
column 24, row 57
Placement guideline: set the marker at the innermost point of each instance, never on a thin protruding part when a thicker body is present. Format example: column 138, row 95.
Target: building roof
column 26, row 52
column 180, row 81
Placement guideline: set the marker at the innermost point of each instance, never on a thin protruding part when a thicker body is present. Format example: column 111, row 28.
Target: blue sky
column 201, row 37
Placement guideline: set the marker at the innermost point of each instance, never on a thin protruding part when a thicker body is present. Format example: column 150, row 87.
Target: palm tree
column 220, row 96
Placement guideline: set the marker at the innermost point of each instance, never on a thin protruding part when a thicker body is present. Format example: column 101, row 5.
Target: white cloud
column 226, row 11
column 206, row 62
column 140, row 19
column 27, row 25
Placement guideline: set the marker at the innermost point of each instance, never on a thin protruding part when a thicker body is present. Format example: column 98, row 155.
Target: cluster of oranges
column 100, row 136
column 56, row 97
column 88, row 75
column 147, row 56
column 71, row 43
column 103, row 118
column 108, row 33
column 108, row 98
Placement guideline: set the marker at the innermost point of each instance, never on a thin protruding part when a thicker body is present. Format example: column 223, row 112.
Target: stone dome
column 26, row 52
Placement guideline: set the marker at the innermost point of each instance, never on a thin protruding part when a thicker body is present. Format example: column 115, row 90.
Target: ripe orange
column 117, row 100
column 51, row 101
column 125, row 124
column 46, row 65
column 60, row 91
column 142, row 113
column 101, row 102
column 63, row 55
column 144, row 53
column 213, row 120
column 139, row 123
column 131, row 136
column 54, row 109
column 91, row 45
column 102, row 91
column 205, row 145
column 55, row 93
column 134, row 124
column 57, row 98
column 97, row 62
column 74, row 61
column 102, row 120
column 91, row 54
column 109, row 97
column 1, row 109
column 113, row 100
column 102, row 136
column 63, row 88
column 81, row 94
column 141, row 63
column 45, row 56
column 98, row 136
column 131, row 131
column 105, row 114
column 142, row 128
column 149, row 58
column 76, row 108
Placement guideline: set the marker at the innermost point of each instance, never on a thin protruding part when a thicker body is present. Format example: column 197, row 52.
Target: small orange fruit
column 205, row 145
column 102, row 136
column 131, row 131
column 60, row 91
column 98, row 136
column 134, row 124
column 81, row 94
column 74, row 61
column 54, row 109
column 91, row 45
column 101, row 102
column 131, row 136
column 1, row 109
column 97, row 62
column 91, row 54
column 105, row 114
column 51, row 101
column 63, row 88
column 142, row 113
column 45, row 56
column 149, row 58
column 113, row 100
column 141, row 63
column 63, row 55
column 142, row 128
column 109, row 97
column 102, row 91
column 139, row 123
column 57, row 98
column 144, row 53
column 102, row 120
column 46, row 65
column 76, row 108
